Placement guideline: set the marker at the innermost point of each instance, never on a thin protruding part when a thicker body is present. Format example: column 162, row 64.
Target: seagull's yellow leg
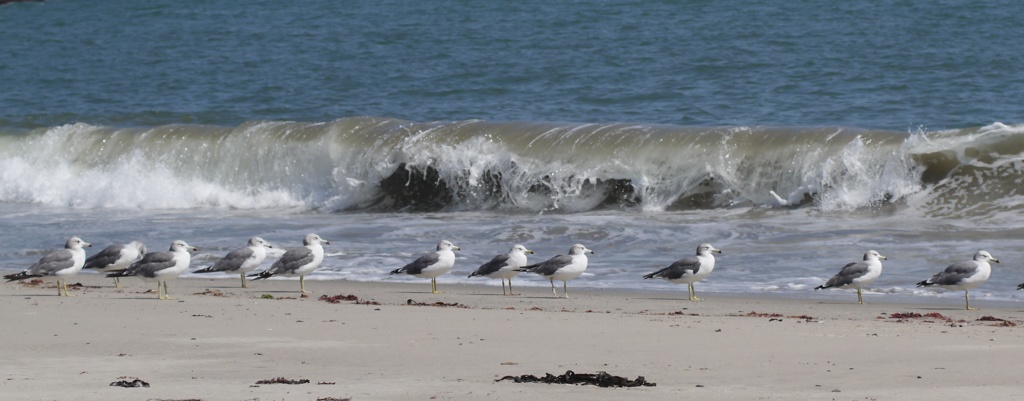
column 59, row 294
column 65, row 286
column 693, row 293
column 510, row 287
column 243, row 281
column 433, row 285
column 553, row 288
column 968, row 301
column 167, row 291
column 159, row 290
column 565, row 289
column 117, row 282
column 503, row 286
column 302, row 285
column 860, row 298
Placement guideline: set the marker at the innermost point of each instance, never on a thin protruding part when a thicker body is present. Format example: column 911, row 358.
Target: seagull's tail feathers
column 119, row 273
column 21, row 276
column 400, row 271
column 822, row 287
column 529, row 268
column 651, row 275
column 206, row 270
column 262, row 275
column 925, row 283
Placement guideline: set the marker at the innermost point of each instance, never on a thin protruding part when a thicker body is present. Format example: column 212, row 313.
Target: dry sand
column 217, row 345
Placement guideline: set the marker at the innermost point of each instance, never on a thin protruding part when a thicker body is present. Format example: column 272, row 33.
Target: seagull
column 963, row 275
column 690, row 269
column 241, row 260
column 857, row 275
column 504, row 266
column 161, row 267
column 432, row 264
column 562, row 267
column 298, row 261
column 61, row 263
column 116, row 257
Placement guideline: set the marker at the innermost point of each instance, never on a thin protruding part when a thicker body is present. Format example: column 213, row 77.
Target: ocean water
column 639, row 129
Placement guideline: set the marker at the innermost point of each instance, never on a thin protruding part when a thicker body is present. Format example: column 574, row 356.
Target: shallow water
column 785, row 252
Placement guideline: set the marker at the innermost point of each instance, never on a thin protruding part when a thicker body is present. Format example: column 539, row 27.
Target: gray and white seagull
column 62, row 263
column 963, row 275
column 161, row 267
column 116, row 257
column 690, row 269
column 241, row 260
column 504, row 266
column 432, row 264
column 298, row 261
column 562, row 267
column 857, row 275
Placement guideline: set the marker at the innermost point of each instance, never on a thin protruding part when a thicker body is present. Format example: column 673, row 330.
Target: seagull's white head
column 874, row 255
column 706, row 249
column 985, row 256
column 311, row 239
column 257, row 242
column 520, row 249
column 75, row 243
column 447, row 245
column 181, row 246
column 579, row 249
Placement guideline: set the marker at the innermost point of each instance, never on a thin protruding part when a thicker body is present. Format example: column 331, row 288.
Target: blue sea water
column 640, row 128
column 880, row 65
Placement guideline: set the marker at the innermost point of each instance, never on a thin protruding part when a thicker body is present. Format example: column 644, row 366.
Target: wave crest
column 388, row 164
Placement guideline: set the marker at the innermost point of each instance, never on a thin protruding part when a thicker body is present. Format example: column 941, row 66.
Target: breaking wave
column 369, row 163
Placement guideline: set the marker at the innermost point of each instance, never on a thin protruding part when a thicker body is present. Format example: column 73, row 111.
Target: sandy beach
column 217, row 340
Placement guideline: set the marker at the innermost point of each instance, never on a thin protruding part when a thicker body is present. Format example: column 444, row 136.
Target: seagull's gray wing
column 678, row 269
column 105, row 258
column 293, row 259
column 230, row 262
column 493, row 266
column 151, row 264
column 955, row 273
column 847, row 274
column 417, row 266
column 550, row 266
column 53, row 262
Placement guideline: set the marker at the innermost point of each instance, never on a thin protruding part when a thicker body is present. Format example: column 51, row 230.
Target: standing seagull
column 963, row 275
column 116, row 257
column 690, row 269
column 562, row 268
column 504, row 266
column 857, row 274
column 298, row 261
column 61, row 263
column 432, row 264
column 241, row 260
column 161, row 267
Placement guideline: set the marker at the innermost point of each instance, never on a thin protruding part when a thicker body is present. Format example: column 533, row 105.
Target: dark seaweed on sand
column 600, row 379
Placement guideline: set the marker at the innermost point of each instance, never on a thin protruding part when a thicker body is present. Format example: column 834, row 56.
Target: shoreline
column 217, row 340
column 540, row 286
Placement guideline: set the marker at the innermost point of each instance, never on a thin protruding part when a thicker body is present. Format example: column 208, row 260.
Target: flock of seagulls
column 132, row 260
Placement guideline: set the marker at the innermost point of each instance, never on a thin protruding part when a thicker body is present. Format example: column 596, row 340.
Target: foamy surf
column 385, row 164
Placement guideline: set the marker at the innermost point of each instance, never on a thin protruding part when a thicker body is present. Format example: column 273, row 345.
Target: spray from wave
column 367, row 163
